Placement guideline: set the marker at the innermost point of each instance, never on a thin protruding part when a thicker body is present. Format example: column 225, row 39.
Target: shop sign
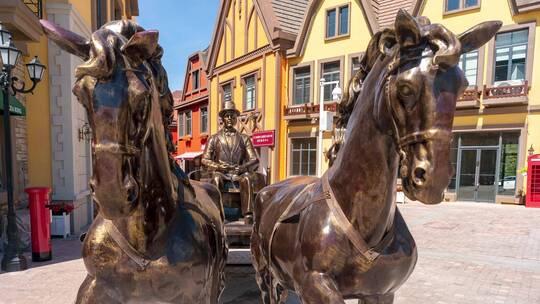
column 263, row 139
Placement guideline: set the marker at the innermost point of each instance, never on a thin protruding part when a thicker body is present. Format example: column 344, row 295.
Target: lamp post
column 13, row 260
column 336, row 95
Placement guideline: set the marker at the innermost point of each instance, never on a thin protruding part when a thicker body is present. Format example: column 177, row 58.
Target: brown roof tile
column 386, row 10
column 289, row 14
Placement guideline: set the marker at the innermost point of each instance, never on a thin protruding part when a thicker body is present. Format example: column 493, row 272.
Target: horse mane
column 104, row 46
column 445, row 45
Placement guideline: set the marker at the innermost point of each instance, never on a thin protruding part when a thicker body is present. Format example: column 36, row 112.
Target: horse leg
column 91, row 292
column 380, row 299
column 262, row 273
column 318, row 288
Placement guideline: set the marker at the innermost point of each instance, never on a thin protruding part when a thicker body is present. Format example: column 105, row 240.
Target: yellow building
column 333, row 35
column 46, row 141
column 498, row 119
column 247, row 64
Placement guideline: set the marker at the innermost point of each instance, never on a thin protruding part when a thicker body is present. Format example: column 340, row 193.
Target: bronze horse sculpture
column 341, row 236
column 157, row 238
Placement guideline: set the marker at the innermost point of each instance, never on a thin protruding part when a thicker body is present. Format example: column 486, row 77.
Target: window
column 304, row 156
column 188, row 123
column 508, row 163
column 195, row 80
column 331, row 72
column 355, row 65
column 337, row 21
column 227, row 93
column 204, row 120
column 511, row 55
column 453, row 161
column 249, row 93
column 301, row 85
column 181, row 125
column 469, row 64
column 343, row 28
column 455, row 5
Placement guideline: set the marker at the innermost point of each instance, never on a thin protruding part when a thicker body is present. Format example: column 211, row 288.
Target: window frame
column 350, row 62
column 181, row 124
column 511, row 55
column 232, row 83
column 290, row 148
column 461, row 8
column 529, row 64
column 203, row 124
column 256, row 77
column 190, row 134
column 479, row 68
column 195, row 80
column 337, row 9
column 320, row 65
column 182, row 127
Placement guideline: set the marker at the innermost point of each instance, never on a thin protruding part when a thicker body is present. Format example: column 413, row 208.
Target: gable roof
column 516, row 6
column 202, row 56
column 281, row 21
column 378, row 14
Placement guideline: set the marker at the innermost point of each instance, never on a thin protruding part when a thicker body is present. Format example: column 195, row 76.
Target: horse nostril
column 419, row 176
column 132, row 194
column 132, row 189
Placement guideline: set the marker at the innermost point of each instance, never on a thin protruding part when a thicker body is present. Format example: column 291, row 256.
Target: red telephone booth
column 533, row 181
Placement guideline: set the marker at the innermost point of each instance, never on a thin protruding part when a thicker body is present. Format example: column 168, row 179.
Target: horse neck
column 363, row 176
column 156, row 206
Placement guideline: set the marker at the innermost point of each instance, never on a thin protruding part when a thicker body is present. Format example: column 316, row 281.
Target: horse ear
column 141, row 46
column 407, row 29
column 478, row 35
column 67, row 40
column 387, row 40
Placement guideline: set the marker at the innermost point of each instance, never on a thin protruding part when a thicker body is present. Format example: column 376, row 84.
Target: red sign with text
column 263, row 139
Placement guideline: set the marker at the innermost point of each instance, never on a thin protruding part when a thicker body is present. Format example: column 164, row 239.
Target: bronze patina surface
column 158, row 238
column 342, row 237
column 231, row 158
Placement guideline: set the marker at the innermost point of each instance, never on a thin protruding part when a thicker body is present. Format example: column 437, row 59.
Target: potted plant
column 60, row 223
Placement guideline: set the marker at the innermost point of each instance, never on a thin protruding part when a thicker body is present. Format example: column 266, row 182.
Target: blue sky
column 185, row 26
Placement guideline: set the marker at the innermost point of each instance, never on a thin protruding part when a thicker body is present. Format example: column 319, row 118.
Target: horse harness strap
column 126, row 247
column 137, row 257
column 370, row 253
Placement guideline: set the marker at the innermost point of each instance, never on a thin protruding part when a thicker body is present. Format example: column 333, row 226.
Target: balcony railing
column 36, row 6
column 506, row 95
column 469, row 99
column 506, row 91
column 309, row 108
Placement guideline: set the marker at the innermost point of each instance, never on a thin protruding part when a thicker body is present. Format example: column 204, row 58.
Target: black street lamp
column 13, row 260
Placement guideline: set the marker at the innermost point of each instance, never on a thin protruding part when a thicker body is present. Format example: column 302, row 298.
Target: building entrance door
column 478, row 174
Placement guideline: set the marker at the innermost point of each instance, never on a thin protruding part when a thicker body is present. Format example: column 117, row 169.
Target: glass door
column 486, row 186
column 477, row 177
column 467, row 176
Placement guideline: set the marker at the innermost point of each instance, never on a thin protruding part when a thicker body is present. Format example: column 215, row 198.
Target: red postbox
column 533, row 181
column 40, row 223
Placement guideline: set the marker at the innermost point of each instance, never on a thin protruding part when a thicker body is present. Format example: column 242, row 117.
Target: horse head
column 118, row 89
column 415, row 97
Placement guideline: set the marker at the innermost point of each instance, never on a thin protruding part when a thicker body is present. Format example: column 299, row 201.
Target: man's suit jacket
column 239, row 152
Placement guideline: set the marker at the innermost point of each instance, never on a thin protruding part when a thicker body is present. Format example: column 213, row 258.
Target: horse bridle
column 412, row 138
column 119, row 148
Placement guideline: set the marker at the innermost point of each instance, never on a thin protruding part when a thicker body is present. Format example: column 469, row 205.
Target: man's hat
column 229, row 107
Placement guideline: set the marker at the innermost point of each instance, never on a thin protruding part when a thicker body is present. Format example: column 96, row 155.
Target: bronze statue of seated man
column 232, row 160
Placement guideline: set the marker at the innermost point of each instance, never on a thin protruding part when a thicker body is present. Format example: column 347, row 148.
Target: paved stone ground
column 468, row 253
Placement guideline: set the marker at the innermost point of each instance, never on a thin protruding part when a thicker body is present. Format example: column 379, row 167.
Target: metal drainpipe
column 277, row 108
